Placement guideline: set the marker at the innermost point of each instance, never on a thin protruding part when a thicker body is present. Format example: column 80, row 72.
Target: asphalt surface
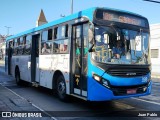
column 42, row 99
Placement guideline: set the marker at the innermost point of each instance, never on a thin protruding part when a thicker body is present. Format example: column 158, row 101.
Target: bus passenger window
column 24, row 40
column 24, row 45
column 56, row 46
column 18, row 41
column 15, row 47
column 46, row 48
column 60, row 46
column 50, row 31
column 21, row 41
column 62, row 32
column 18, row 46
column 55, row 32
column 28, row 45
column 44, row 35
column 63, row 47
column 66, row 45
column 66, row 31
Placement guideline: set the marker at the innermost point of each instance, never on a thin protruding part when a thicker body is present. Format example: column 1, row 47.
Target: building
column 155, row 47
column 2, row 46
column 41, row 19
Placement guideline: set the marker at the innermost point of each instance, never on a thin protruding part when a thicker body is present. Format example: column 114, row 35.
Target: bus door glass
column 80, row 54
column 10, row 56
column 35, row 58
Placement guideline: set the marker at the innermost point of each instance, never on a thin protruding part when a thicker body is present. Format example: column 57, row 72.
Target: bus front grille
column 128, row 72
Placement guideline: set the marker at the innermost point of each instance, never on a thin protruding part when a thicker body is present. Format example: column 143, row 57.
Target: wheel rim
column 61, row 87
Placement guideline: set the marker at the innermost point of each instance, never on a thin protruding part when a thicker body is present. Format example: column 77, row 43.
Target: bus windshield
column 121, row 46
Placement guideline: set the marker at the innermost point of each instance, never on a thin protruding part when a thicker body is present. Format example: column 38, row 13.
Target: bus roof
column 88, row 13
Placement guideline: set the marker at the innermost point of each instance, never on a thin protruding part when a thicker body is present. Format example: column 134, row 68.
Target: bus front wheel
column 61, row 88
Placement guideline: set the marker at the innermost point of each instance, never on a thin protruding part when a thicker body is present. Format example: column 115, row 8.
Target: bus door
column 79, row 57
column 9, row 56
column 35, row 58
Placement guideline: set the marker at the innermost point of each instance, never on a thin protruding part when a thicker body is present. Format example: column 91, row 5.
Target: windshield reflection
column 121, row 46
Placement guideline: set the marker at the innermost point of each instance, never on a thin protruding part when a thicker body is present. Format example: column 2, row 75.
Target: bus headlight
column 96, row 77
column 101, row 80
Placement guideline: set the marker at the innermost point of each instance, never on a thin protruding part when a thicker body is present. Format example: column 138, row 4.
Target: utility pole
column 7, row 30
column 71, row 6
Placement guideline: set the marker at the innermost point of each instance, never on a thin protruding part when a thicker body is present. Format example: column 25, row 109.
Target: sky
column 21, row 15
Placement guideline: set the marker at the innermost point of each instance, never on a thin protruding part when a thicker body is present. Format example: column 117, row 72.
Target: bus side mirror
column 90, row 36
column 91, row 49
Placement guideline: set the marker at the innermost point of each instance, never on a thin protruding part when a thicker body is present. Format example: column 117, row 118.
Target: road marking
column 123, row 106
column 30, row 102
column 147, row 101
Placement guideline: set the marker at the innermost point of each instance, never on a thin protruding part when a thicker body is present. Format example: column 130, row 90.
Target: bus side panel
column 49, row 64
column 13, row 65
column 46, row 73
column 22, row 63
column 63, row 66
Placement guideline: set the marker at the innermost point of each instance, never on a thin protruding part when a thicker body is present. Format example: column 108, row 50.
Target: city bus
column 97, row 54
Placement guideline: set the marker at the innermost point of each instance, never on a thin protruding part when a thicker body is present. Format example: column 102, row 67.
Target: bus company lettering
column 34, row 115
column 22, row 115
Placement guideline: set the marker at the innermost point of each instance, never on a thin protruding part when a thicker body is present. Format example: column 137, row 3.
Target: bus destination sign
column 121, row 18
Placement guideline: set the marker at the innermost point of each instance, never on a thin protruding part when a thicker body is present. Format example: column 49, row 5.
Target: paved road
column 47, row 100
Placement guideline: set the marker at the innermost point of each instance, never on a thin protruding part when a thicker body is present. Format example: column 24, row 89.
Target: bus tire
column 61, row 88
column 17, row 77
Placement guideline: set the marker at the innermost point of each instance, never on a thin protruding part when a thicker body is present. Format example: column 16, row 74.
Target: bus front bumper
column 98, row 92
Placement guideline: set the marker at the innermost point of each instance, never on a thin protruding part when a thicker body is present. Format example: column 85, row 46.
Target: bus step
column 81, row 97
column 35, row 84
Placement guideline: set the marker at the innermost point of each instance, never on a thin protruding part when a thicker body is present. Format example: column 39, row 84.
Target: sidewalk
column 11, row 102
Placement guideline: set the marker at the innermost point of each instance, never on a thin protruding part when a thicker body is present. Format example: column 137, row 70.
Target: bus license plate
column 131, row 91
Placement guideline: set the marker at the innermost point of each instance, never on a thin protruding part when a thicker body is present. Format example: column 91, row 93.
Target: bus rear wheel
column 17, row 77
column 61, row 88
